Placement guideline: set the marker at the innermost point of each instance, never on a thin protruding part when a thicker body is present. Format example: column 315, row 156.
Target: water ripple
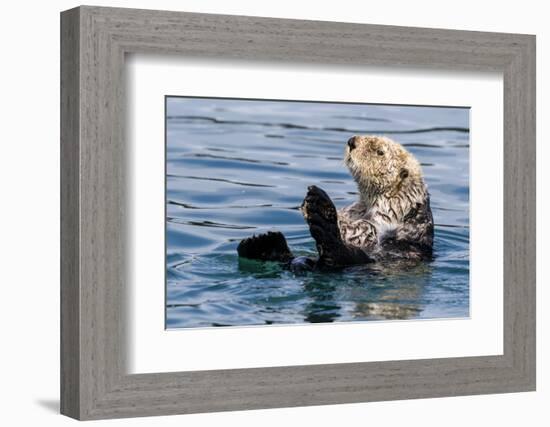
column 320, row 128
column 229, row 181
column 209, row 224
column 239, row 159
column 225, row 207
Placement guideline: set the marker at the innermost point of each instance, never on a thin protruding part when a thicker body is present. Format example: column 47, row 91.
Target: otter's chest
column 362, row 227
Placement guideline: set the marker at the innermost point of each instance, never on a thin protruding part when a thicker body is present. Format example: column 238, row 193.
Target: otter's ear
column 404, row 173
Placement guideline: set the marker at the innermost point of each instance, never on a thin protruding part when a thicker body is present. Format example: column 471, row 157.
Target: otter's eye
column 380, row 152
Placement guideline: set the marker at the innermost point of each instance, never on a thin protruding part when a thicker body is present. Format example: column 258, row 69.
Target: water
column 237, row 167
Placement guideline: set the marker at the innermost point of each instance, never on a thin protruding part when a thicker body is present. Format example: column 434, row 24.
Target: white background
column 154, row 350
column 29, row 215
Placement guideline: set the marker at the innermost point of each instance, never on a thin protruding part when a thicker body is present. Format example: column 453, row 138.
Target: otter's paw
column 270, row 246
column 318, row 203
column 322, row 218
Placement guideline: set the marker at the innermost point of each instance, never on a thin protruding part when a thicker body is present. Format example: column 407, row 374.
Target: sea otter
column 392, row 219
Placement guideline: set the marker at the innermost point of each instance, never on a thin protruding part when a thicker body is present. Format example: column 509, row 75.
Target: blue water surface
column 239, row 167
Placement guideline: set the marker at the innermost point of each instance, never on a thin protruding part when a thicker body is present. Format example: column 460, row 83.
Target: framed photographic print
column 262, row 213
column 241, row 166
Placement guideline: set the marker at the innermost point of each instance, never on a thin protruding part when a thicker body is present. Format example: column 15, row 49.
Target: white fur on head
column 389, row 178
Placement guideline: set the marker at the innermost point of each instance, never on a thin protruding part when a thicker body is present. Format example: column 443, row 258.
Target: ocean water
column 241, row 167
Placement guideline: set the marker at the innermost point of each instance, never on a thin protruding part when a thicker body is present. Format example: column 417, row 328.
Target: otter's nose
column 352, row 143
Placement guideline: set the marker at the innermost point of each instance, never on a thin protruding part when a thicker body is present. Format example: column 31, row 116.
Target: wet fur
column 391, row 220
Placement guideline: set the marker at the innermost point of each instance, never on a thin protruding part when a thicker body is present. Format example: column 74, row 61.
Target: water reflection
column 323, row 306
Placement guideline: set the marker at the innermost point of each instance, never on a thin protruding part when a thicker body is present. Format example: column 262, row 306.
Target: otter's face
column 379, row 165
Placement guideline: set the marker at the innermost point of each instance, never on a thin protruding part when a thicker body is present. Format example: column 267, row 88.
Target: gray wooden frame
column 94, row 41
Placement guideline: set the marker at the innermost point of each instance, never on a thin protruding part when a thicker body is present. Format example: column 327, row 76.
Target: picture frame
column 94, row 380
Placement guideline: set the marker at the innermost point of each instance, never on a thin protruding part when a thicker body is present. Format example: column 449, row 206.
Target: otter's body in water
column 392, row 220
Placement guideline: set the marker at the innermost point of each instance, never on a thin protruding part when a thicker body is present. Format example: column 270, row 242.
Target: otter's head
column 382, row 168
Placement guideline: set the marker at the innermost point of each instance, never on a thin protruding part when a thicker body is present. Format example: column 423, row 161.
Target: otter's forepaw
column 270, row 246
column 317, row 202
column 322, row 218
